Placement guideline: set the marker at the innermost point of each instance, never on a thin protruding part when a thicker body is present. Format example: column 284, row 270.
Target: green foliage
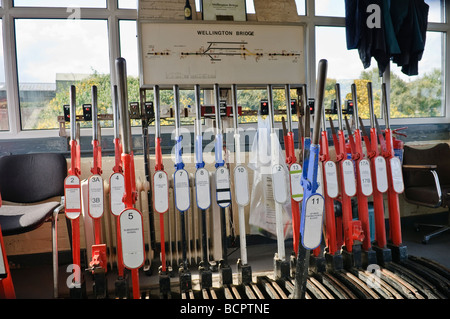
column 418, row 98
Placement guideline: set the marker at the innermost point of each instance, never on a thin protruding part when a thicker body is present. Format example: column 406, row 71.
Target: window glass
column 345, row 68
column 330, row 8
column 301, row 7
column 436, row 12
column 421, row 95
column 61, row 3
column 127, row 4
column 54, row 54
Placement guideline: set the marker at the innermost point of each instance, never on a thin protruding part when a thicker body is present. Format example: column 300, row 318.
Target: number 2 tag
column 72, row 196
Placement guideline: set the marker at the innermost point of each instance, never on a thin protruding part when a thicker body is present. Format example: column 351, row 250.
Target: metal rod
column 270, row 101
column 320, row 93
column 116, row 118
column 157, row 111
column 370, row 98
column 94, row 113
column 339, row 106
column 73, row 113
column 355, row 106
column 217, row 108
column 287, row 89
column 121, row 75
column 198, row 110
column 176, row 102
column 386, row 107
column 235, row 106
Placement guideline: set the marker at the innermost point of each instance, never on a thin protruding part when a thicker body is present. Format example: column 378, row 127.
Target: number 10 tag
column 312, row 229
column 241, row 185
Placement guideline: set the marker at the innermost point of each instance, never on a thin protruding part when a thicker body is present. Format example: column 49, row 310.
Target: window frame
column 8, row 13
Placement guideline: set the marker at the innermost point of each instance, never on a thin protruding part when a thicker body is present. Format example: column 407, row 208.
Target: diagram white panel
column 232, row 53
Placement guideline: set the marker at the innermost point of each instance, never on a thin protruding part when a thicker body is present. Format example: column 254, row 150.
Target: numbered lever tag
column 182, row 192
column 132, row 236
column 397, row 176
column 295, row 174
column 279, row 184
column 95, row 195
column 72, row 196
column 313, row 220
column 116, row 192
column 365, row 177
column 348, row 172
column 3, row 273
column 381, row 174
column 331, row 179
column 202, row 188
column 160, row 192
column 223, row 192
column 241, row 185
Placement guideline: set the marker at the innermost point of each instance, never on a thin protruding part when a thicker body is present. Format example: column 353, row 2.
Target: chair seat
column 17, row 219
column 427, row 194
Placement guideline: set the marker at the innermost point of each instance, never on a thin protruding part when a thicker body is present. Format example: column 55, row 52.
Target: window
column 128, row 4
column 422, row 95
column 53, row 54
column 330, row 8
column 345, row 68
column 61, row 3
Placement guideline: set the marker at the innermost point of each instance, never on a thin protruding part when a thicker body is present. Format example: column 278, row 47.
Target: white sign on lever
column 223, row 193
column 295, row 174
column 72, row 196
column 312, row 231
column 365, row 177
column 348, row 172
column 279, row 184
column 397, row 176
column 381, row 174
column 241, row 185
column 95, row 191
column 116, row 192
column 331, row 179
column 182, row 192
column 160, row 192
column 132, row 236
column 202, row 188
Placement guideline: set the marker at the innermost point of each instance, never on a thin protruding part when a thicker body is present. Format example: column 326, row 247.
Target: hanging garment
column 400, row 34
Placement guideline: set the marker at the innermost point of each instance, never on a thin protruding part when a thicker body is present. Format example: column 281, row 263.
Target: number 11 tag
column 312, row 229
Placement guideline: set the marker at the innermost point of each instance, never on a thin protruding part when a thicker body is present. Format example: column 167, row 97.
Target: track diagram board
column 201, row 53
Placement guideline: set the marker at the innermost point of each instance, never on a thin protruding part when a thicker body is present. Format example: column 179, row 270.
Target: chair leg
column 55, row 250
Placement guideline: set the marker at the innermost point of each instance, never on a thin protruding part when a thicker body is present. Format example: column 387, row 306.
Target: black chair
column 32, row 190
column 426, row 174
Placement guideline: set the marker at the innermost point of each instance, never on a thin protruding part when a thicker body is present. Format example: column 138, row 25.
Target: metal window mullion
column 10, row 64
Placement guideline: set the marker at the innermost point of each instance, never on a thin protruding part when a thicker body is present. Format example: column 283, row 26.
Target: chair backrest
column 438, row 155
column 28, row 178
